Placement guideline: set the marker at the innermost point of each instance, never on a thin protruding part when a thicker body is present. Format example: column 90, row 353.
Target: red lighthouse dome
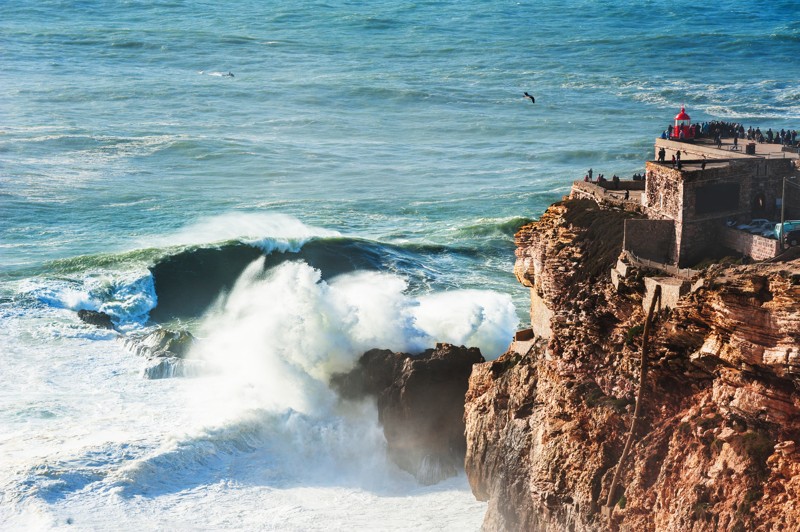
column 683, row 129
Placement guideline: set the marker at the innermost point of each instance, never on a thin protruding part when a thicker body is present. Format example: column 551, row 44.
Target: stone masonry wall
column 732, row 174
column 697, row 240
column 754, row 246
column 755, row 178
column 540, row 316
column 663, row 192
column 672, row 194
column 672, row 290
column 603, row 196
column 650, row 239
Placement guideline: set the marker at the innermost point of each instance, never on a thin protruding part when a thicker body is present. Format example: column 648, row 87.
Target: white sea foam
column 469, row 317
column 60, row 294
column 216, row 74
column 276, row 339
column 261, row 432
column 128, row 297
column 269, row 231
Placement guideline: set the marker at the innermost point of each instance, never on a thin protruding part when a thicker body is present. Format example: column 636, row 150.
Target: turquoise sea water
column 393, row 136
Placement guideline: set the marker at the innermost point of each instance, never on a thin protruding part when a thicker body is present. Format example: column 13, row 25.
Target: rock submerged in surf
column 98, row 319
column 169, row 367
column 166, row 352
column 420, row 405
column 161, row 343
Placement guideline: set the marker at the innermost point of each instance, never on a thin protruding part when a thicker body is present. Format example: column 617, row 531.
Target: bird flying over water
column 531, row 98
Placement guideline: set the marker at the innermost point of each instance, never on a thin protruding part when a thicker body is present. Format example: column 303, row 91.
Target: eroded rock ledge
column 717, row 450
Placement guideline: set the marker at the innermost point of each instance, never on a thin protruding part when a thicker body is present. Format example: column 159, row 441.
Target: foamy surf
column 409, row 141
column 276, row 339
column 256, row 420
column 269, row 231
column 127, row 297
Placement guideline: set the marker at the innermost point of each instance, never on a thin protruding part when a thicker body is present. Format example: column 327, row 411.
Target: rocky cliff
column 546, row 422
column 420, row 405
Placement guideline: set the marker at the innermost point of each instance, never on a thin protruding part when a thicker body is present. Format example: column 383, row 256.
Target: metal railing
column 672, row 269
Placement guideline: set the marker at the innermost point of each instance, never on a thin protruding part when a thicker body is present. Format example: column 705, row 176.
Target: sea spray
column 279, row 336
column 477, row 318
column 286, row 233
column 271, row 345
column 128, row 297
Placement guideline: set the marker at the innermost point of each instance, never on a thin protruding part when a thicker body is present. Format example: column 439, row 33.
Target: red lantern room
column 683, row 129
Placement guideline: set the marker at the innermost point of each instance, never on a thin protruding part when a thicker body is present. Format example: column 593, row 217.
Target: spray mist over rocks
column 275, row 340
column 269, row 348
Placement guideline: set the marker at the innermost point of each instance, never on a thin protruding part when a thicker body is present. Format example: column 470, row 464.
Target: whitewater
column 356, row 182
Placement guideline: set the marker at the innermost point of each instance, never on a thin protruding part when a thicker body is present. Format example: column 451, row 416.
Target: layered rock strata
column 717, row 449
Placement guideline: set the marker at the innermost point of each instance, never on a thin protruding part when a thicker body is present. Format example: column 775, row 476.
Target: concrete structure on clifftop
column 688, row 204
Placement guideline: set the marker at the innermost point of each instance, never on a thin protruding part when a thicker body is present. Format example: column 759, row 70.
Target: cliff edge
column 716, row 450
column 420, row 405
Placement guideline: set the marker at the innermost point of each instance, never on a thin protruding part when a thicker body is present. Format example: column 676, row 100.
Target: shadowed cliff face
column 420, row 405
column 545, row 427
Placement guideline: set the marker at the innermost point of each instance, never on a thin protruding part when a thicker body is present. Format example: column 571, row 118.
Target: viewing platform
column 696, row 151
column 627, row 194
column 699, row 195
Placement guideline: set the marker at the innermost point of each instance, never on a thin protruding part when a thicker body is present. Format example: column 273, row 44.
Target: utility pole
column 783, row 210
column 783, row 213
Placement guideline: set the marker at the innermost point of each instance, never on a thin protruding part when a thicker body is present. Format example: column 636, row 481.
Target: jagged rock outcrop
column 166, row 351
column 717, row 449
column 420, row 405
column 96, row 318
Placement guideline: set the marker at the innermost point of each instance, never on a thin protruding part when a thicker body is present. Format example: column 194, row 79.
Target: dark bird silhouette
column 531, row 98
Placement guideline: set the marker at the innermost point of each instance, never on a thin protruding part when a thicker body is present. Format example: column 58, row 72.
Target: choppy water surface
column 377, row 157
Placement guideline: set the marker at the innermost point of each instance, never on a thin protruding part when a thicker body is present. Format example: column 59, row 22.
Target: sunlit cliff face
column 545, row 428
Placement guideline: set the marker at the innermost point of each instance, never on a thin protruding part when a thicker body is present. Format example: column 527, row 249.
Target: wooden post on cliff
column 610, row 501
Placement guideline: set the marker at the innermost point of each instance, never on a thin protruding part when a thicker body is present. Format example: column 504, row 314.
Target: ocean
column 377, row 156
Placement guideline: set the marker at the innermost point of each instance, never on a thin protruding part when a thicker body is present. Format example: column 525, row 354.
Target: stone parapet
column 609, row 196
column 754, row 246
column 691, row 150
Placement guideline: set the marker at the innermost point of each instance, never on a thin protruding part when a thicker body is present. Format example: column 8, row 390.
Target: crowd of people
column 588, row 178
column 718, row 130
column 615, row 180
column 785, row 137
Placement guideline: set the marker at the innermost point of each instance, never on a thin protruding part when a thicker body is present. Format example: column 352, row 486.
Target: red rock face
column 717, row 449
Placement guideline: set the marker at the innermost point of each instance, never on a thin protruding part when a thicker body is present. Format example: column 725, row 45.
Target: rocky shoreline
column 546, row 422
column 540, row 430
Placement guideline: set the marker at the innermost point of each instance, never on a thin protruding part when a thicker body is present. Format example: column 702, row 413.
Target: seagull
column 531, row 98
